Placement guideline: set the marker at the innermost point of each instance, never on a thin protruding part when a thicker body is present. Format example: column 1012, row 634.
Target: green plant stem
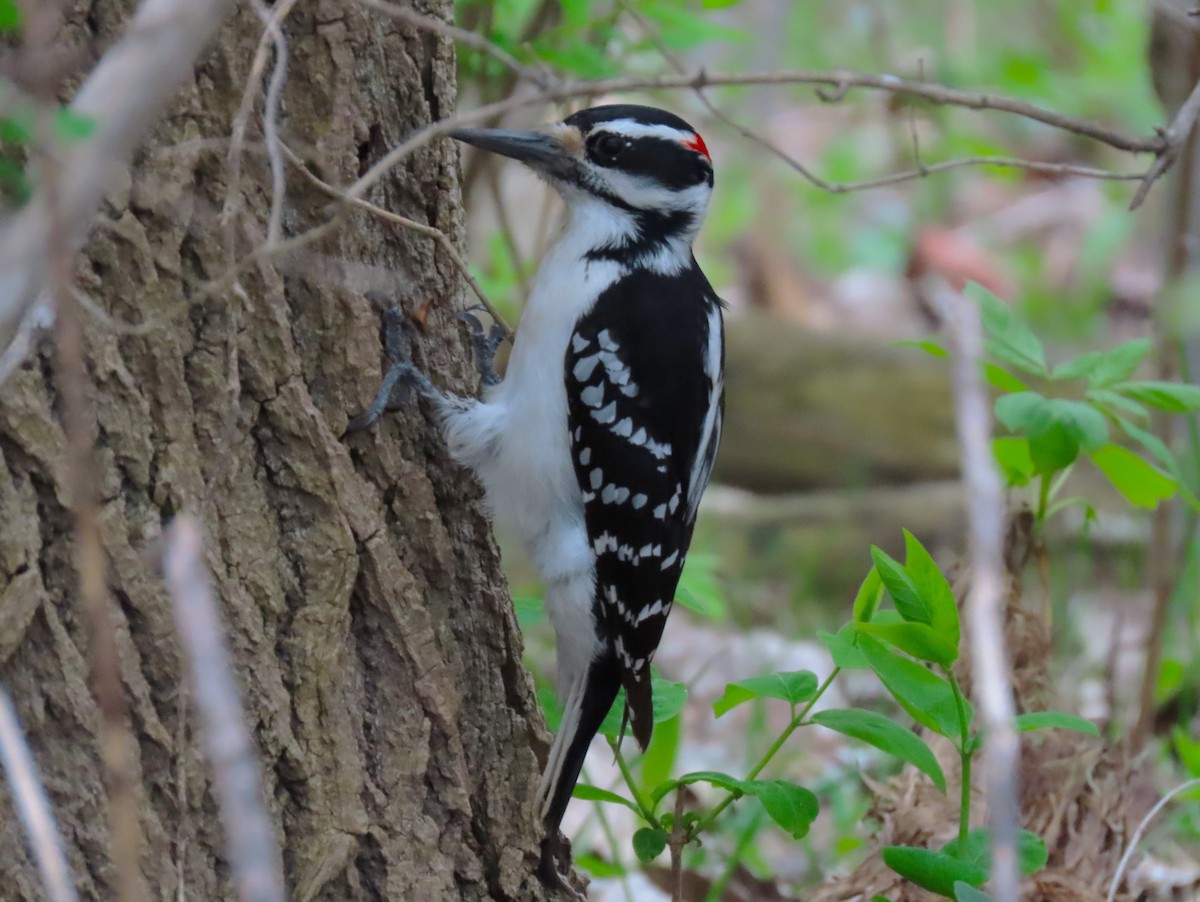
column 964, row 755
column 797, row 721
column 1043, row 501
column 627, row 775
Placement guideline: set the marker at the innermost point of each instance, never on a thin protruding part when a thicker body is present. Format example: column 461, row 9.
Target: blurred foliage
column 1060, row 406
column 1086, row 59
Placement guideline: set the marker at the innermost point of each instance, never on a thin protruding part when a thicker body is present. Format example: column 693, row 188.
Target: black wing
column 643, row 379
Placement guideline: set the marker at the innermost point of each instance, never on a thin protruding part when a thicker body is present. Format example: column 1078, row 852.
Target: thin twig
column 676, row 842
column 33, row 806
column 922, row 170
column 985, row 605
column 404, row 222
column 250, row 837
column 271, row 19
column 461, row 36
column 934, row 93
column 123, row 96
column 566, row 90
column 241, row 120
column 1173, row 139
column 1137, row 835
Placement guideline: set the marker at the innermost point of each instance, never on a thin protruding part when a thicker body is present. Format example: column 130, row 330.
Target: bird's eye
column 606, row 147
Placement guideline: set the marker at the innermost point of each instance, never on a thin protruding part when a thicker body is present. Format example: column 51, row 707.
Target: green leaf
column 648, row 843
column 596, row 794
column 964, row 892
column 712, row 777
column 976, row 851
column 866, row 603
column 900, row 586
column 888, row 736
column 1012, row 456
column 927, row 697
column 934, row 871
column 1032, row 853
column 795, row 686
column 72, row 126
column 551, row 710
column 1163, row 455
column 1056, row 428
column 659, row 758
column 10, row 16
column 934, row 588
column 598, row 867
column 1000, row 378
column 1104, row 368
column 1141, row 484
column 1008, row 339
column 843, row 648
column 1173, row 397
column 1188, row 750
column 1152, row 443
column 928, row 345
column 669, row 699
column 1113, row 402
column 917, row 639
column 17, row 128
column 792, row 807
column 1041, row 720
column 699, row 589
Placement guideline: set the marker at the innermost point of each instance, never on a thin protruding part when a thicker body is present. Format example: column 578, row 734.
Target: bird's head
column 643, row 169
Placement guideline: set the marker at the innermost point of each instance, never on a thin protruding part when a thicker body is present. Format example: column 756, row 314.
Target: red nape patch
column 697, row 143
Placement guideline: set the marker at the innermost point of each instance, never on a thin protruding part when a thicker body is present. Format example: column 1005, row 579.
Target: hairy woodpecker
column 598, row 443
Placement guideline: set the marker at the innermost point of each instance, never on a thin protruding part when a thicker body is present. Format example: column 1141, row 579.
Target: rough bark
column 369, row 620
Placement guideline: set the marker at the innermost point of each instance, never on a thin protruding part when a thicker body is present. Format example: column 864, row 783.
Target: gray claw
column 402, row 376
column 484, row 344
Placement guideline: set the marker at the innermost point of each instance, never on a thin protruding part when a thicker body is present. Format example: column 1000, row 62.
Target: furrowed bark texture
column 367, row 614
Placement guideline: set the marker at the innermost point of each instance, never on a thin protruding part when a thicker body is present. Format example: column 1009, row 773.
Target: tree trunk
column 369, row 620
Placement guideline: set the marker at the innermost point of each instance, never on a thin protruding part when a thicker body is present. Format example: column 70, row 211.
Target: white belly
column 528, row 473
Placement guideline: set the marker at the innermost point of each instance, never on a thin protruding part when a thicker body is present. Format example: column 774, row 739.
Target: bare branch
column 991, row 678
column 250, row 837
column 921, row 171
column 271, row 20
column 410, row 16
column 33, row 807
column 404, row 222
column 116, row 740
column 1137, row 834
column 123, row 96
column 934, row 93
column 1173, row 140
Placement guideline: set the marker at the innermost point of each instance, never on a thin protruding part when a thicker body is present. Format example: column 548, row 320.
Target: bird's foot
column 555, row 867
column 484, row 344
column 402, row 377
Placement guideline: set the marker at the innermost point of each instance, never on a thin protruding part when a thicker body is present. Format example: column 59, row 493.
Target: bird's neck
column 634, row 239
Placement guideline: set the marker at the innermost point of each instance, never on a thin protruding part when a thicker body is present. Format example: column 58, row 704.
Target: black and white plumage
column 598, row 443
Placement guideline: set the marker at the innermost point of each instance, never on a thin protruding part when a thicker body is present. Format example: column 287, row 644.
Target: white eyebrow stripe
column 631, row 128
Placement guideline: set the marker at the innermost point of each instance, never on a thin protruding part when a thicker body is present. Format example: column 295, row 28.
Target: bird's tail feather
column 588, row 701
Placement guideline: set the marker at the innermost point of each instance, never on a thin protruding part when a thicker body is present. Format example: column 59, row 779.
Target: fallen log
column 806, row 410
